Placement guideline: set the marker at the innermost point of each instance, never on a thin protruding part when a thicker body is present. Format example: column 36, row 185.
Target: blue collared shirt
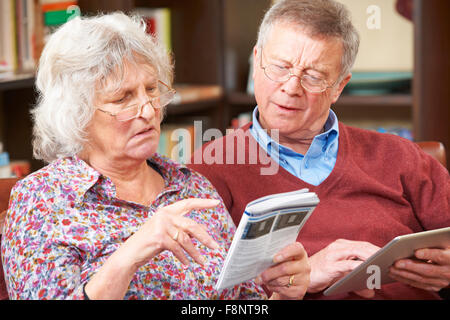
column 318, row 162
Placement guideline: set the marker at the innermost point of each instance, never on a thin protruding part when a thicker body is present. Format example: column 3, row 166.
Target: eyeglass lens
column 135, row 110
column 279, row 74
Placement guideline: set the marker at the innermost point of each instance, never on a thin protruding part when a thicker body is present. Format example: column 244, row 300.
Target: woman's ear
column 340, row 87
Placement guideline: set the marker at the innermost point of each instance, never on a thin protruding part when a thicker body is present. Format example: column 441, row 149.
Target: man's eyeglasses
column 282, row 74
column 135, row 110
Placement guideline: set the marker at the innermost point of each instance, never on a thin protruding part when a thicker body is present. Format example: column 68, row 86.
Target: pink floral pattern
column 64, row 221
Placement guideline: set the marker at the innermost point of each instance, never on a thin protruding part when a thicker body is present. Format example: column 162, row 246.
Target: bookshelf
column 17, row 81
column 212, row 41
column 200, row 44
column 362, row 111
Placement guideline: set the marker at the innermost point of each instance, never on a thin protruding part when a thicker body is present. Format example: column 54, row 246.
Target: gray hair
column 320, row 18
column 76, row 60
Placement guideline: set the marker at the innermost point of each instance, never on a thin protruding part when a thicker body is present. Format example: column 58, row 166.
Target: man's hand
column 430, row 272
column 289, row 277
column 336, row 260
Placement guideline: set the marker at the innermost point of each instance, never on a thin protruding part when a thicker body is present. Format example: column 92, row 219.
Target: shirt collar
column 83, row 177
column 331, row 132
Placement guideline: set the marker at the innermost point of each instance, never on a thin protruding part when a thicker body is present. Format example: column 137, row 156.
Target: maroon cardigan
column 381, row 186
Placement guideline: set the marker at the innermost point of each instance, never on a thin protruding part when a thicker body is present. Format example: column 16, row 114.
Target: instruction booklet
column 268, row 225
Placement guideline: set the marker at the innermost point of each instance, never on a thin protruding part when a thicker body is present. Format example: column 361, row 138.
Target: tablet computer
column 363, row 276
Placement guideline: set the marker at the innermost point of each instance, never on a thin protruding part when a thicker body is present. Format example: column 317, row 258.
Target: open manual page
column 268, row 225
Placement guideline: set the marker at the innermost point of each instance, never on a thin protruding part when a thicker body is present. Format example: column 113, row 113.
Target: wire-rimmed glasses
column 282, row 74
column 135, row 110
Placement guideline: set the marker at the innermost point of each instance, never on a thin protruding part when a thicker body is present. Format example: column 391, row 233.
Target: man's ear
column 340, row 87
column 255, row 60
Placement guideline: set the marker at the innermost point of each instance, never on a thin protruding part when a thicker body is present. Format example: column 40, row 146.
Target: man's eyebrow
column 318, row 69
column 278, row 58
column 312, row 67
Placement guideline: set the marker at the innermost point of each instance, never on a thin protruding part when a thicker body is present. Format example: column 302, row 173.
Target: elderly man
column 372, row 186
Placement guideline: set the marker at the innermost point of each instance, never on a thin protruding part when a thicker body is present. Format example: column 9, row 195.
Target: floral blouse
column 64, row 221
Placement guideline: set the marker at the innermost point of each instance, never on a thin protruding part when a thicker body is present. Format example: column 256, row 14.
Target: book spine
column 158, row 22
column 195, row 93
column 13, row 22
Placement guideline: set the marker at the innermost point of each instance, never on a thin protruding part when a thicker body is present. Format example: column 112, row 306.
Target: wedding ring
column 175, row 237
column 291, row 281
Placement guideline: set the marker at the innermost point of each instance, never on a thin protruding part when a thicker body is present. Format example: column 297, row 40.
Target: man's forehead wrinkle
column 303, row 58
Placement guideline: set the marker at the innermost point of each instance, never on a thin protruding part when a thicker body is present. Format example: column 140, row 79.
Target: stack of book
column 18, row 47
column 23, row 27
column 158, row 24
column 56, row 13
column 189, row 93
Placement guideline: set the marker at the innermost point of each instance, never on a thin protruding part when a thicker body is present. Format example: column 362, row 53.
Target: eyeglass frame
column 291, row 74
column 114, row 114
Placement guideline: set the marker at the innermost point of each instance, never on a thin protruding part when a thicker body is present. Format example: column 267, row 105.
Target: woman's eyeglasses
column 135, row 110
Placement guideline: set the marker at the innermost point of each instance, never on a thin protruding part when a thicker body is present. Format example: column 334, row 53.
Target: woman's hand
column 430, row 272
column 167, row 229
column 289, row 277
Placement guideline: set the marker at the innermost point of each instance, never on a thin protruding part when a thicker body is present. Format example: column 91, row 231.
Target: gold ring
column 175, row 237
column 291, row 281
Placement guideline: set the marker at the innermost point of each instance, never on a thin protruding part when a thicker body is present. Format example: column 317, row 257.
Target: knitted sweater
column 381, row 186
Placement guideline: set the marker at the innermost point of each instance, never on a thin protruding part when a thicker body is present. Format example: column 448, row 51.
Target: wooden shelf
column 17, row 81
column 192, row 104
column 186, row 108
column 240, row 98
column 396, row 100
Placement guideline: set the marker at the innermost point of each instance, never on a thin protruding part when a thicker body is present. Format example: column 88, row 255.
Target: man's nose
column 293, row 86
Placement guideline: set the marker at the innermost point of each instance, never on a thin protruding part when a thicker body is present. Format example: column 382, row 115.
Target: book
column 188, row 93
column 25, row 16
column 56, row 5
column 268, row 225
column 24, row 24
column 177, row 141
column 8, row 45
column 158, row 22
column 55, row 13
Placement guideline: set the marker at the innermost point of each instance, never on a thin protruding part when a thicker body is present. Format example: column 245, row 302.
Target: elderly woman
column 108, row 218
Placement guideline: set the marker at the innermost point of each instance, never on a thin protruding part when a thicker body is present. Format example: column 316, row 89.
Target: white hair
column 320, row 18
column 78, row 58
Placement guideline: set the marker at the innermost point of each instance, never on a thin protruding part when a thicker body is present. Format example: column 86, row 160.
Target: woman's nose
column 147, row 110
